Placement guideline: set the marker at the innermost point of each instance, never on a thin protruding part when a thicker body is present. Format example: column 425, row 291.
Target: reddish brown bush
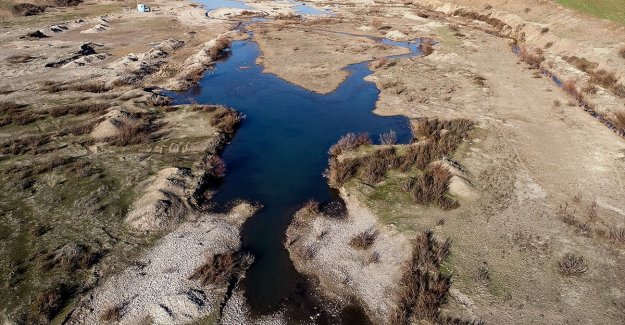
column 364, row 240
column 339, row 172
column 373, row 170
column 426, row 47
column 214, row 166
column 226, row 120
column 432, row 187
column 570, row 87
column 349, row 142
column 220, row 268
column 532, row 57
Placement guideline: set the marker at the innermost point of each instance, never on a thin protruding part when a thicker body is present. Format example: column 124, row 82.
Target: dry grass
column 349, row 142
column 220, row 268
column 90, row 87
column 572, row 265
column 364, row 240
column 143, row 130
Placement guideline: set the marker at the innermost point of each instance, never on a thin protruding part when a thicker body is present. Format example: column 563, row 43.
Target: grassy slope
column 608, row 9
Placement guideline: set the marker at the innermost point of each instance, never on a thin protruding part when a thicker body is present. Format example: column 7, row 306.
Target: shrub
column 90, row 87
column 312, row 207
column 21, row 145
column 49, row 303
column 432, row 188
column 373, row 170
column 532, row 57
column 590, row 89
column 349, row 142
column 26, row 9
column 214, row 166
column 426, row 47
column 603, row 78
column 389, row 138
column 217, row 51
column 621, row 52
column 617, row 235
column 364, row 240
column 570, row 87
column 112, row 314
column 423, row 289
column 339, row 172
column 220, row 268
column 572, row 265
column 619, row 119
column 226, row 120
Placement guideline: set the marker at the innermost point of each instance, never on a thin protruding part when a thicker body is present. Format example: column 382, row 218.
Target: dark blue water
column 277, row 158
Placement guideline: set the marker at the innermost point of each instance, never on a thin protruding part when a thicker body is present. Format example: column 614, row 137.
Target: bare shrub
column 374, row 258
column 532, row 57
column 312, row 207
column 349, row 142
column 113, row 313
column 373, row 170
column 423, row 289
column 220, row 268
column 218, row 50
column 364, row 240
column 90, row 87
column 22, row 145
column 572, row 265
column 432, row 188
column 339, row 172
column 214, row 166
column 226, row 120
column 389, row 138
column 426, row 46
column 570, row 87
column 49, row 303
column 617, row 235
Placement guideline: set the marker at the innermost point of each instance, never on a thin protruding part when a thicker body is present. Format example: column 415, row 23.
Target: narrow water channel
column 277, row 158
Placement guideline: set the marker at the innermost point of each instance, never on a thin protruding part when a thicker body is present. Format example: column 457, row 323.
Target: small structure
column 143, row 7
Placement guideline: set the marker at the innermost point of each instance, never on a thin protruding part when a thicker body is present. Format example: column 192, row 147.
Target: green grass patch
column 613, row 10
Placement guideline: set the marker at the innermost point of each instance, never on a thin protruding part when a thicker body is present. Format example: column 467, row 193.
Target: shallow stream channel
column 277, row 159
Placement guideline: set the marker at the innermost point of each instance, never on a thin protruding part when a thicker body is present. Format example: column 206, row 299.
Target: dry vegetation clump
column 389, row 138
column 572, row 265
column 226, row 120
column 22, row 145
column 349, row 142
column 621, row 52
column 532, row 57
column 26, row 9
column 71, row 258
column 426, row 46
column 76, row 109
column 113, row 313
column 220, row 268
column 81, row 129
column 373, row 170
column 218, row 50
column 432, row 187
column 422, row 288
column 52, row 86
column 47, row 304
column 570, row 87
column 214, row 166
column 19, row 58
column 143, row 130
column 364, row 240
column 90, row 87
column 340, row 171
column 603, row 78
